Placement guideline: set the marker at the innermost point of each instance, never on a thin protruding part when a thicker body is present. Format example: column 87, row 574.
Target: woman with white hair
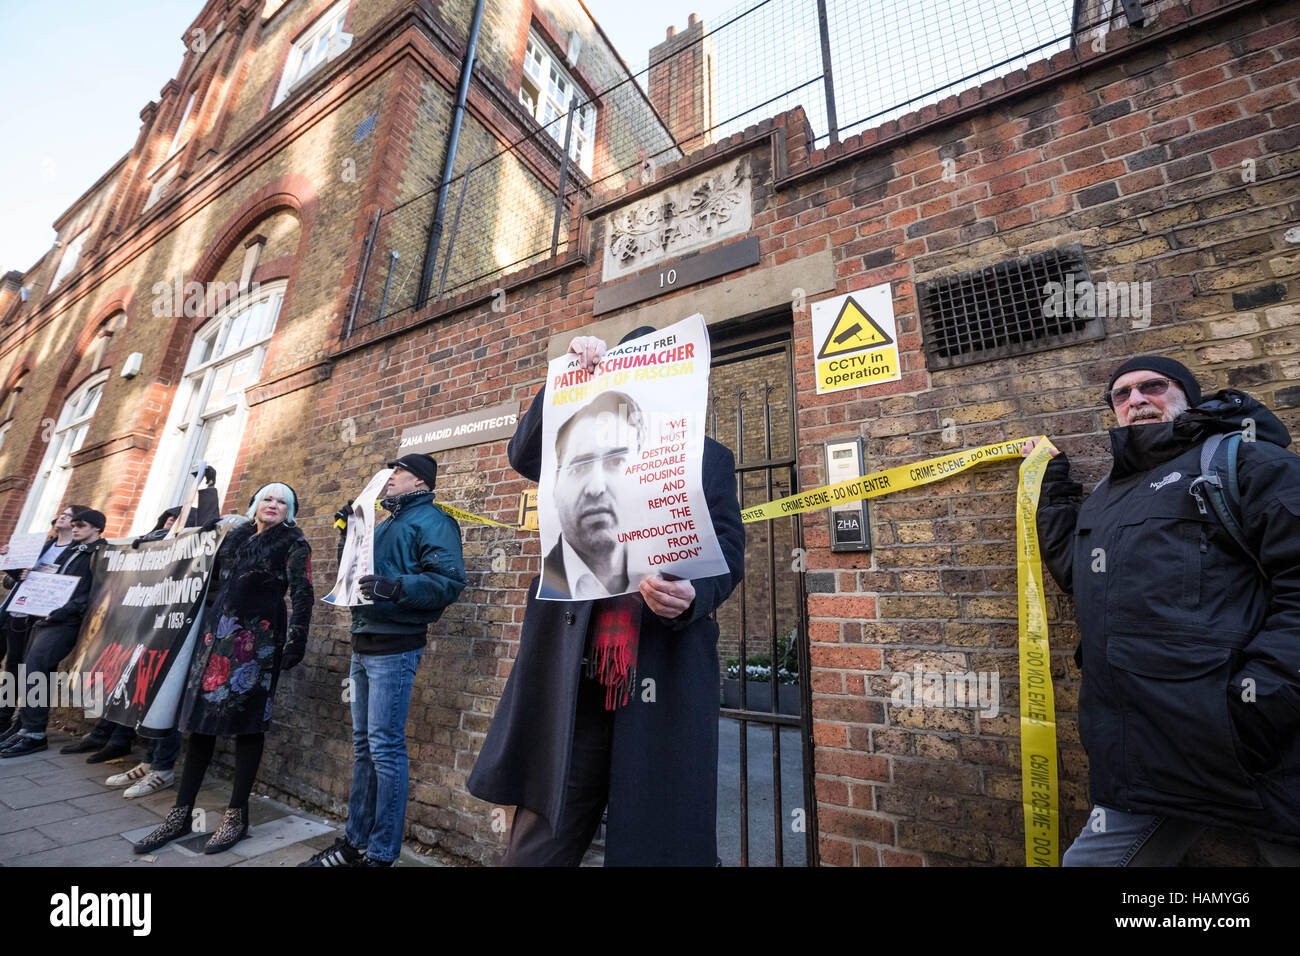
column 247, row 639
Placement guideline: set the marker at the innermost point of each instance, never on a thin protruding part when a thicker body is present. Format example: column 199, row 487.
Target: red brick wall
column 1135, row 153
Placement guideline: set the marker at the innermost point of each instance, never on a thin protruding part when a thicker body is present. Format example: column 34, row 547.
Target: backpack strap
column 1224, row 499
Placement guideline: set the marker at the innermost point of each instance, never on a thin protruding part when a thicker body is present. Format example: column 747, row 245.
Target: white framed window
column 547, row 92
column 208, row 414
column 177, row 142
column 71, row 253
column 324, row 41
column 68, row 436
column 4, row 431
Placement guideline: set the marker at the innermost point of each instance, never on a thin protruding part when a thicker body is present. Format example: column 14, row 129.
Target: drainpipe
column 453, row 137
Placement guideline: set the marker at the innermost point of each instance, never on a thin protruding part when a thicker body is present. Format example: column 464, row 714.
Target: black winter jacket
column 1190, row 701
column 78, row 559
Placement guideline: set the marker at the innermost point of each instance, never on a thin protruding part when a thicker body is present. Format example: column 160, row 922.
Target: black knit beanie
column 1167, row 367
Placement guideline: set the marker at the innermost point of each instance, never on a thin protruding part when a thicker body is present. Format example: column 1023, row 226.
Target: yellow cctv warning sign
column 853, row 331
column 857, row 340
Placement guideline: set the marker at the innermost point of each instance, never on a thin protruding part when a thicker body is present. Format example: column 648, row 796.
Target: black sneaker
column 176, row 824
column 341, row 853
column 367, row 861
column 11, row 730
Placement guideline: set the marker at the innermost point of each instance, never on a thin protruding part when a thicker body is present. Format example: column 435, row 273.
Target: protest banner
column 42, row 592
column 358, row 558
column 621, row 493
column 23, row 551
column 146, row 605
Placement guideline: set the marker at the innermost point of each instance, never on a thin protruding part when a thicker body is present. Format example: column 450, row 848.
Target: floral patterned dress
column 236, row 662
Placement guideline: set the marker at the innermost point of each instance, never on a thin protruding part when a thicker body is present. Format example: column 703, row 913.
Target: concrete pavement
column 56, row 811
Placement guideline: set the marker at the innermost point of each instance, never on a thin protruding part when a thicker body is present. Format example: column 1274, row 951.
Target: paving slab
column 290, row 855
column 97, row 802
column 91, row 826
column 22, row 843
column 53, row 775
column 21, row 766
column 14, row 820
column 106, row 851
column 34, row 795
column 266, row 837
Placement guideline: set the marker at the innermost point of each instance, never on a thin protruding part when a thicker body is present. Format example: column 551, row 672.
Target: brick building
column 286, row 159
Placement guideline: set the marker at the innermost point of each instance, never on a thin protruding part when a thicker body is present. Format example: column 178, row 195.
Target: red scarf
column 611, row 646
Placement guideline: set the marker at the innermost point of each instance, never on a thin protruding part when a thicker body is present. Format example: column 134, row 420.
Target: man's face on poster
column 592, row 489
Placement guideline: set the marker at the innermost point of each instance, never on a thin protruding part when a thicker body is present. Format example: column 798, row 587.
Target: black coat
column 664, row 766
column 1178, row 625
column 236, row 664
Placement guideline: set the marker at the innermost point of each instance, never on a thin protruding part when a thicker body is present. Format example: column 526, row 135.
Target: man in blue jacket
column 419, row 570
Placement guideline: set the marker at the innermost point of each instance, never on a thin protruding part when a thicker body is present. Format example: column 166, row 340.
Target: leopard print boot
column 234, row 827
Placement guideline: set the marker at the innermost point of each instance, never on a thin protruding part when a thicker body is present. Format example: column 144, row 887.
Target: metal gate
column 766, row 806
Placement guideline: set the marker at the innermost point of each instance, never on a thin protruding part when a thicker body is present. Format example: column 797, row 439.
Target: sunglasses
column 1151, row 388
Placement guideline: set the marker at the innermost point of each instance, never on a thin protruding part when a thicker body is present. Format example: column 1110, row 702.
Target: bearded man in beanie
column 54, row 636
column 1184, row 564
column 419, row 571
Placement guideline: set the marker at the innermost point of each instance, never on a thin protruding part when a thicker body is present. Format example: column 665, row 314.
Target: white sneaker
column 138, row 772
column 157, row 780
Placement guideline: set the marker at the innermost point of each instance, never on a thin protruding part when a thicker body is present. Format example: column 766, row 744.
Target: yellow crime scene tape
column 1038, row 769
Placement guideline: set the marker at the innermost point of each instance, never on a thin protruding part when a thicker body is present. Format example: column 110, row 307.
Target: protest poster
column 621, row 493
column 358, row 557
column 42, row 592
column 145, row 604
column 24, row 549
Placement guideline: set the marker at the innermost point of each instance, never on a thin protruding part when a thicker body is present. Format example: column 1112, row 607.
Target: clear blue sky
column 72, row 84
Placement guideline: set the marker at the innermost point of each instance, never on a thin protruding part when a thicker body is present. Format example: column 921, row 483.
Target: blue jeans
column 1116, row 838
column 160, row 752
column 381, row 697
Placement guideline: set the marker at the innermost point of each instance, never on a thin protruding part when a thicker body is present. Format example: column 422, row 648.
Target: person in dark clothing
column 248, row 639
column 54, row 636
column 1190, row 702
column 109, row 740
column 15, row 628
column 419, row 571
column 568, row 739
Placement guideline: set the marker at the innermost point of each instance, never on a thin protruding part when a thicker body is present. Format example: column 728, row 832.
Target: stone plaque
column 698, row 212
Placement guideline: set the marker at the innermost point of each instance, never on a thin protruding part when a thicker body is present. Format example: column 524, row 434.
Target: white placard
column 358, row 558
column 24, row 549
column 621, row 495
column 42, row 592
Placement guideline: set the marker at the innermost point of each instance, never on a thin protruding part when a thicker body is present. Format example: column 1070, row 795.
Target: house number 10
column 667, row 278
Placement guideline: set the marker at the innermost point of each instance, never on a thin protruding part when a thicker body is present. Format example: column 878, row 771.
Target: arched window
column 64, row 437
column 207, row 417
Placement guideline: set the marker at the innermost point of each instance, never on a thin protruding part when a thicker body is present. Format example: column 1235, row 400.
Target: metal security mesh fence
column 851, row 65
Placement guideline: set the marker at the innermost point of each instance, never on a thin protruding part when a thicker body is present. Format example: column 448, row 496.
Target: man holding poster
column 55, row 634
column 613, row 697
column 416, row 570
